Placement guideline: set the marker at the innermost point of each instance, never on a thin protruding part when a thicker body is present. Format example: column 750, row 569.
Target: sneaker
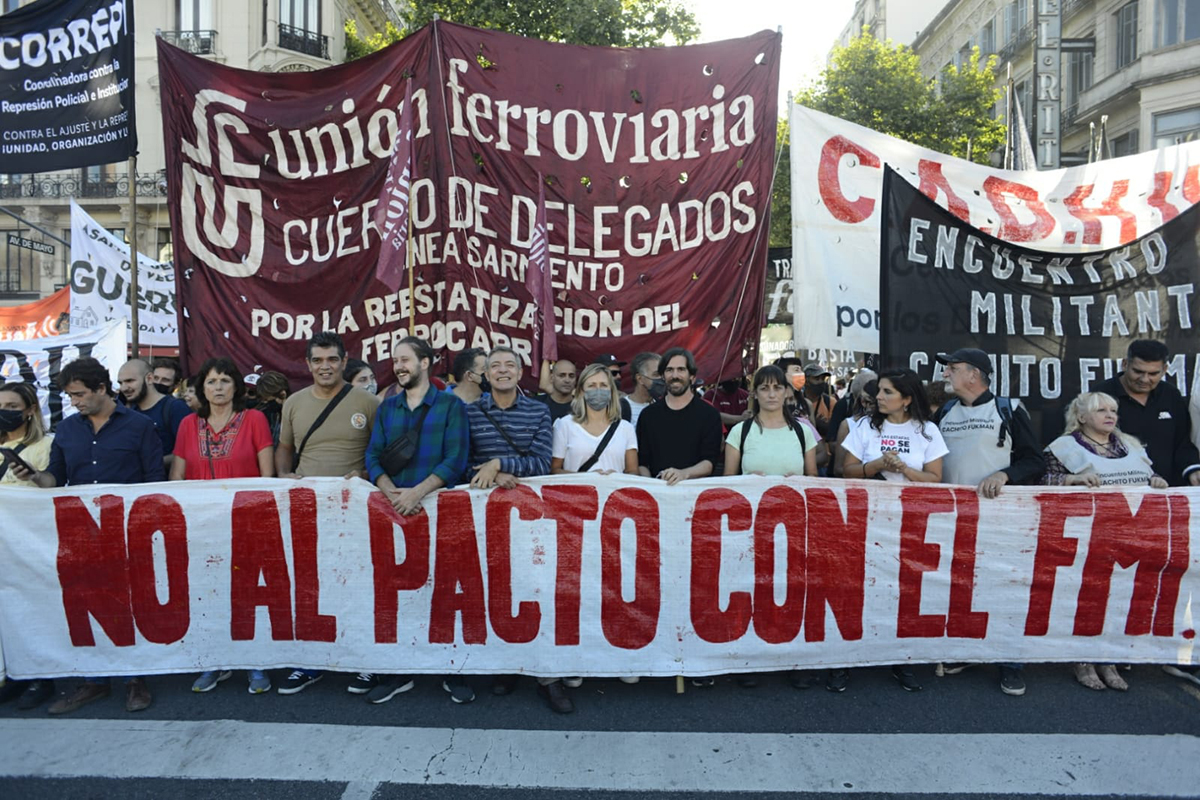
column 460, row 691
column 260, row 683
column 1012, row 681
column 389, row 687
column 36, row 693
column 908, row 681
column 298, row 681
column 837, row 680
column 954, row 669
column 629, row 679
column 362, row 683
column 572, row 683
column 1187, row 673
column 704, row 682
column 209, row 680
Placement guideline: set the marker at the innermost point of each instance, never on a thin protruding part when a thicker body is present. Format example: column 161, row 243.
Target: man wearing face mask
column 820, row 399
column 731, row 400
column 648, row 384
column 470, row 375
column 140, row 393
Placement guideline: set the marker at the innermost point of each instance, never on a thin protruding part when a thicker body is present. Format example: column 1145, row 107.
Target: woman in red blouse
column 223, row 440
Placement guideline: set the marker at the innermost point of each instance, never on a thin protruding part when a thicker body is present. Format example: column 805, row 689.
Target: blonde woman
column 593, row 437
column 1093, row 452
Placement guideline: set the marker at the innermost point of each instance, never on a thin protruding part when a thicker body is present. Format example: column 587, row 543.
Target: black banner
column 1053, row 323
column 66, row 85
column 777, row 305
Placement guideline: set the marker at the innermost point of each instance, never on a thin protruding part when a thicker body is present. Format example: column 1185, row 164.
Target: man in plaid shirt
column 438, row 460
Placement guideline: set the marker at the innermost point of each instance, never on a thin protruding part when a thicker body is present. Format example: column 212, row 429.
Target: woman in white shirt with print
column 897, row 441
column 595, row 409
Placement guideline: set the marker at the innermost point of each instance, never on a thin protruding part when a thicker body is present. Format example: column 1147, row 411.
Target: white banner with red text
column 589, row 575
column 837, row 183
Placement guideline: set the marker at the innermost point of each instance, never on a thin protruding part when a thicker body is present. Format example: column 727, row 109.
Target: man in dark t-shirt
column 562, row 389
column 679, row 438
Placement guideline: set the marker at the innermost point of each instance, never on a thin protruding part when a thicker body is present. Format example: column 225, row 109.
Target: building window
column 1081, row 71
column 987, row 39
column 1176, row 21
column 1127, row 30
column 1124, row 145
column 1022, row 13
column 1176, row 127
column 10, row 5
column 304, row 15
column 166, row 251
column 194, row 15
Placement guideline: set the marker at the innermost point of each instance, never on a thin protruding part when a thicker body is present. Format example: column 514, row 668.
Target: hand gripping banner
column 590, row 575
column 657, row 166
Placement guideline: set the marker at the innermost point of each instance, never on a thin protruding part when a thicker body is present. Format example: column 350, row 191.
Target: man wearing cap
column 820, row 400
column 991, row 443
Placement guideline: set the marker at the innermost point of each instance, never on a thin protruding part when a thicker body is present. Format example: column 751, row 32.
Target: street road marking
column 955, row 764
column 360, row 790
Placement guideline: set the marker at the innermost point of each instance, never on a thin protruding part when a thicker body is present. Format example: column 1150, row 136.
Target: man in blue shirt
column 510, row 439
column 437, row 420
column 103, row 443
column 142, row 394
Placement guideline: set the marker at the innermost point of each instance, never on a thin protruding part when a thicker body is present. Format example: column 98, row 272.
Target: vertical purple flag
column 392, row 215
column 537, row 281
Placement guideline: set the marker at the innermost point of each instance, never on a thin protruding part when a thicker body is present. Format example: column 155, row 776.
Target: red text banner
column 656, row 163
column 573, row 576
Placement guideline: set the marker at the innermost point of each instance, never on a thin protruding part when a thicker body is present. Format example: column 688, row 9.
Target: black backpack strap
column 796, row 426
column 944, row 409
column 324, row 415
column 608, row 435
column 1004, row 406
column 504, row 433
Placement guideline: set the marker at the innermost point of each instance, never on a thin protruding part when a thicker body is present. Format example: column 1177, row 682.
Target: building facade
column 898, row 20
column 262, row 35
column 1143, row 72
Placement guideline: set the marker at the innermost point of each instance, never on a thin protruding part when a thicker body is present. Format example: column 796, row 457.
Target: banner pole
column 408, row 263
column 133, row 257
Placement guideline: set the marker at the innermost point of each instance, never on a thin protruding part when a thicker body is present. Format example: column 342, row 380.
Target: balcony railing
column 198, row 43
column 302, row 41
column 61, row 187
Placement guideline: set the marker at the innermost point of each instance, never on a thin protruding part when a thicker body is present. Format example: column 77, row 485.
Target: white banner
column 38, row 361
column 589, row 575
column 837, row 181
column 100, row 284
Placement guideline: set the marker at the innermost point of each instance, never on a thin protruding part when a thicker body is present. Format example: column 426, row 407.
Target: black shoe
column 1012, row 681
column 36, row 693
column 504, row 684
column 298, row 681
column 11, row 690
column 837, row 680
column 747, row 680
column 460, row 691
column 908, row 681
column 555, row 695
column 362, row 683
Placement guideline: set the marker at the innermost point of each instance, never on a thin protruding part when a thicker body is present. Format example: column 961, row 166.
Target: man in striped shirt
column 511, row 439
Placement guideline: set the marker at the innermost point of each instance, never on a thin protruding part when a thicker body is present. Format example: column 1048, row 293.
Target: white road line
column 360, row 790
column 955, row 764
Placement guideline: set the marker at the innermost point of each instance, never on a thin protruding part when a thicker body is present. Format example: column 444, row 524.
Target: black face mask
column 251, row 402
column 658, row 388
column 728, row 387
column 484, row 384
column 271, row 407
column 11, row 419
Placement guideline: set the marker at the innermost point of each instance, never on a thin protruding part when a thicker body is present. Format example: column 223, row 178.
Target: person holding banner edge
column 103, row 443
column 990, row 443
column 419, row 444
column 511, row 439
column 324, row 431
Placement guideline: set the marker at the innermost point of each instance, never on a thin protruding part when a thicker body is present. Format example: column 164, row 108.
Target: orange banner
column 38, row 319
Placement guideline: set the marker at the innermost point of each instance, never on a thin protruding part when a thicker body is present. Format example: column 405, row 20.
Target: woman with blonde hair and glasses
column 1094, row 452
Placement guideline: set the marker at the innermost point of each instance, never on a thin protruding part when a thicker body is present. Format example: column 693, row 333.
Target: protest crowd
column 473, row 425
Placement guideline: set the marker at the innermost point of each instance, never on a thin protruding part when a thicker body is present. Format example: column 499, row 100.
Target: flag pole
column 408, row 259
column 133, row 258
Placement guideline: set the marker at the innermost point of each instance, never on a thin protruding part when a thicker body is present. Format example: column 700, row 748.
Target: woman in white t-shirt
column 595, row 409
column 1093, row 452
column 897, row 441
column 769, row 443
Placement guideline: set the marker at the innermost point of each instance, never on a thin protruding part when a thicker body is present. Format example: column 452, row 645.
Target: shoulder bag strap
column 504, row 433
column 324, row 415
column 591, row 462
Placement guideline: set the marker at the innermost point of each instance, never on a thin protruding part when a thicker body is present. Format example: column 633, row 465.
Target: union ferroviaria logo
column 199, row 225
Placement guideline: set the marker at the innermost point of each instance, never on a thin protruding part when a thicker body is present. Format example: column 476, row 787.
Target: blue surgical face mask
column 597, row 399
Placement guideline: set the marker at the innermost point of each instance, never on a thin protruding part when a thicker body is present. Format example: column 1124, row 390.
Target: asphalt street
column 960, row 737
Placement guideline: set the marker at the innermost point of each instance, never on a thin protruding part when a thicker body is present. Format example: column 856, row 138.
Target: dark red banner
column 657, row 166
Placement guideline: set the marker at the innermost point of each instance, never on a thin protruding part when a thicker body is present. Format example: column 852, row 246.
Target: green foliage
column 781, row 192
column 616, row 23
column 880, row 85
